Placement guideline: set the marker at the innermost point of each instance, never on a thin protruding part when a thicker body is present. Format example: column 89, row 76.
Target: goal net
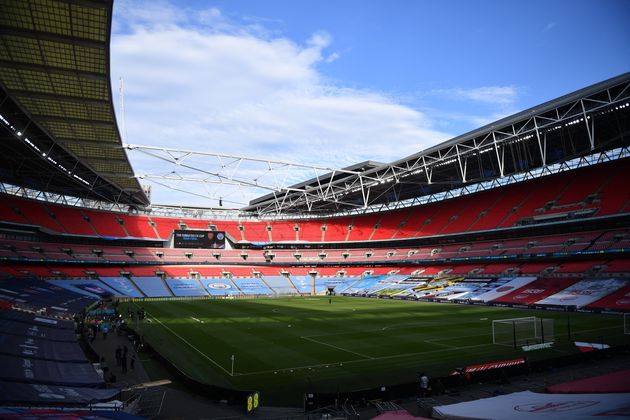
column 626, row 323
column 515, row 332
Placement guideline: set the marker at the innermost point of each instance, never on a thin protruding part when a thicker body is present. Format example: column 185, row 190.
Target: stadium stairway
column 262, row 279
column 236, row 286
column 137, row 287
column 290, row 281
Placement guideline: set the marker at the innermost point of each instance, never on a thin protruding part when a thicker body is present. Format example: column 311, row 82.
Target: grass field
column 288, row 346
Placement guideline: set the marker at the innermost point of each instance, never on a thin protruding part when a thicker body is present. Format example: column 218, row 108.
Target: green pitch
column 285, row 347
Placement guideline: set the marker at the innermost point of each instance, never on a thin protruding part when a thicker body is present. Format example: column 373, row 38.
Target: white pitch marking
column 440, row 344
column 403, row 325
column 193, row 347
column 338, row 348
column 394, row 356
column 195, row 319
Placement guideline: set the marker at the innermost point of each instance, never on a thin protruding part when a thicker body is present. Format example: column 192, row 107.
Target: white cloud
column 131, row 14
column 332, row 57
column 200, row 81
column 496, row 95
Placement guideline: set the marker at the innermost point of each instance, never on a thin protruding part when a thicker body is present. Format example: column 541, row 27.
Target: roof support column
column 427, row 171
column 590, row 133
column 496, row 150
column 542, row 145
column 462, row 167
column 364, row 194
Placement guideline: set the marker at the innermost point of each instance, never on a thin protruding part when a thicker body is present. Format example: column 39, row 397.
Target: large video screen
column 198, row 239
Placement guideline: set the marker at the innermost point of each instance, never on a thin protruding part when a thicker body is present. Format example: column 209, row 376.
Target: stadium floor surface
column 287, row 346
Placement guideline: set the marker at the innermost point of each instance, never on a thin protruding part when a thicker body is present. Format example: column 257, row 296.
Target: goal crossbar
column 514, row 332
column 523, row 319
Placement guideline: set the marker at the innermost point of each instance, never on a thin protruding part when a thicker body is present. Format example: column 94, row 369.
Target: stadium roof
column 347, row 172
column 591, row 120
column 59, row 131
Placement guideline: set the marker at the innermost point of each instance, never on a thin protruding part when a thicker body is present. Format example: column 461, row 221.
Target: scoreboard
column 208, row 239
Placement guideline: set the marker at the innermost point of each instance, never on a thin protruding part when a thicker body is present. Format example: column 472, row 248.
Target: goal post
column 515, row 332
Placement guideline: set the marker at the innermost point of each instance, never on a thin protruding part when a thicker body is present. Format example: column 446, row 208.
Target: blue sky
column 332, row 83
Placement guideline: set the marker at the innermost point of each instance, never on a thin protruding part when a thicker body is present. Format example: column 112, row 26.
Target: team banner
column 509, row 286
column 41, row 294
column 21, row 393
column 87, row 287
column 489, row 286
column 620, row 300
column 36, row 348
column 530, row 405
column 537, row 290
column 219, row 287
column 35, row 319
column 123, row 285
column 18, row 413
column 186, row 287
column 207, row 239
column 22, row 369
column 36, row 331
column 584, row 292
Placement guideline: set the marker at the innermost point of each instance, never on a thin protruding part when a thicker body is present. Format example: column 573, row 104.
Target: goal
column 515, row 332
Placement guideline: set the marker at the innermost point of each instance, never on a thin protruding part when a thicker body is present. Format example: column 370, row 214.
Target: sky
column 332, row 83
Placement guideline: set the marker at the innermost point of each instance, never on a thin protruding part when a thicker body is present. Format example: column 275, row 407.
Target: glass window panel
column 51, row 16
column 16, row 14
column 23, row 50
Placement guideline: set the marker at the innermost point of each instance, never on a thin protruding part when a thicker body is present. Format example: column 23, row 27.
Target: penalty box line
column 191, row 346
column 347, row 362
column 336, row 347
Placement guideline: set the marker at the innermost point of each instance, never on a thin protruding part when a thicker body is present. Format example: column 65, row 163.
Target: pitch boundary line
column 433, row 341
column 391, row 329
column 338, row 348
column 191, row 346
column 362, row 360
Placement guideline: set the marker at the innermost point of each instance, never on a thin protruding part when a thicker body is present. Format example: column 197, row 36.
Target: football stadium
column 499, row 254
